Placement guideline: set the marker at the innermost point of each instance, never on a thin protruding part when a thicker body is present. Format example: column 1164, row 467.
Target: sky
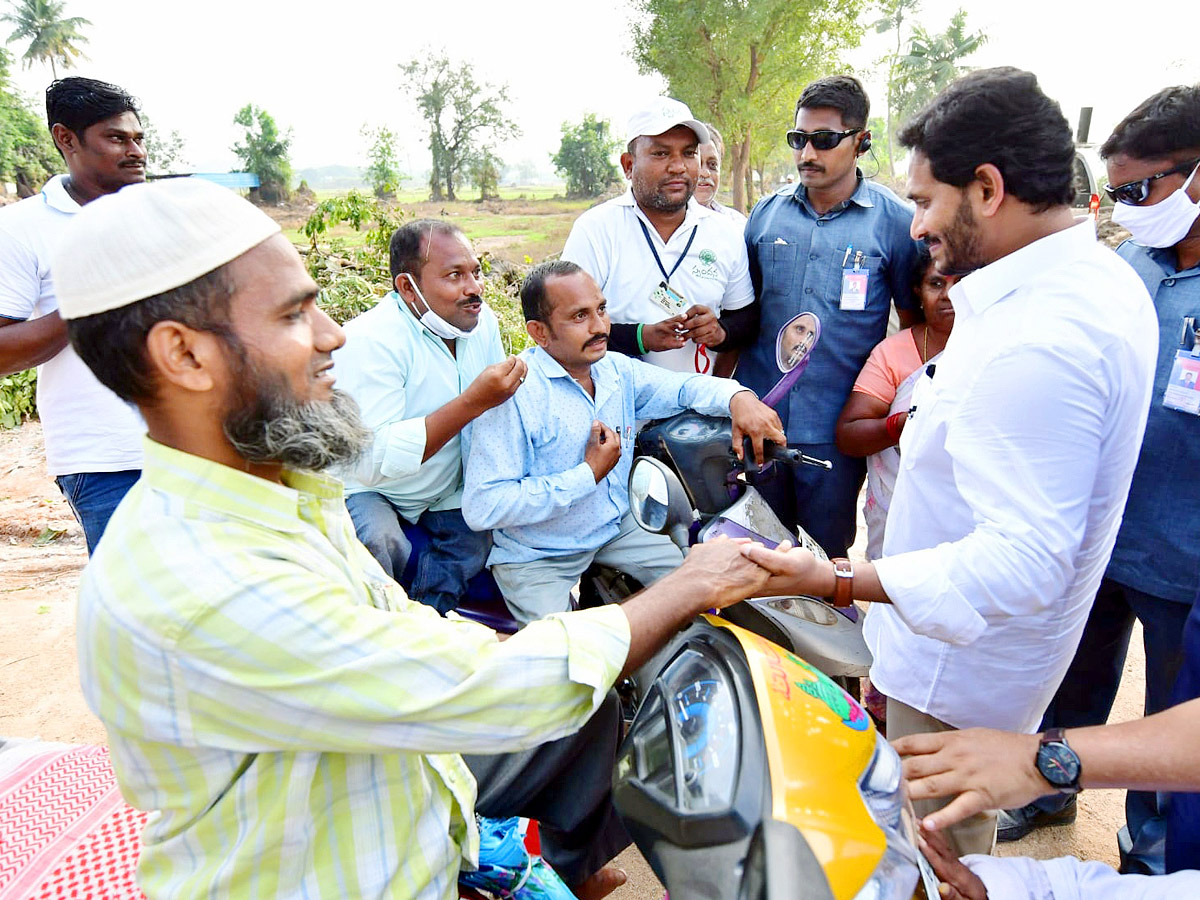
column 326, row 70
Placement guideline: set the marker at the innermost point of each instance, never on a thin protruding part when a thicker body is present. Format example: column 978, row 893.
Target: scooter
column 748, row 775
column 718, row 498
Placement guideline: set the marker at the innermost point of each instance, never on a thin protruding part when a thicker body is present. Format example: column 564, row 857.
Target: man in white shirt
column 675, row 273
column 1018, row 456
column 93, row 439
column 422, row 364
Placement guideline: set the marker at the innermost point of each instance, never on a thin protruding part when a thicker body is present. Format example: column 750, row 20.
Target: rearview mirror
column 658, row 501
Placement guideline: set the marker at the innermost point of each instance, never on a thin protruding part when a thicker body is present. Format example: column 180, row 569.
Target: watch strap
column 843, row 582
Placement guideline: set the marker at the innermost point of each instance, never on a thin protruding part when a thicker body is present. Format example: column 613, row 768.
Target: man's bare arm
column 25, row 344
column 714, row 575
column 990, row 769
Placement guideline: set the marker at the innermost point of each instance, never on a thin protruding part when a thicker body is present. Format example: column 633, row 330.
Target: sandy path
column 39, row 678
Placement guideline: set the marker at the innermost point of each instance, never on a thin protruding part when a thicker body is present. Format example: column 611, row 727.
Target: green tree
column 52, row 36
column 895, row 14
column 27, row 154
column 932, row 62
column 584, row 157
column 464, row 116
column 383, row 171
column 484, row 173
column 164, row 151
column 264, row 151
column 736, row 62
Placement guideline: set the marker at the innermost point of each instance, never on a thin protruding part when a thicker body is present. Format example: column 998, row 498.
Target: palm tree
column 52, row 36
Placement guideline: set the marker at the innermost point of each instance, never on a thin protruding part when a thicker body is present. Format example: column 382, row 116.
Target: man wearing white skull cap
column 293, row 719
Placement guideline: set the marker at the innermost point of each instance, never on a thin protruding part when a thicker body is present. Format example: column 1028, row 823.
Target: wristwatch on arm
column 843, row 582
column 1058, row 763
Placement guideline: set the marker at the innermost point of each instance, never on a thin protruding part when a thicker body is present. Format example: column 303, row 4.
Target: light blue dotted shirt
column 525, row 474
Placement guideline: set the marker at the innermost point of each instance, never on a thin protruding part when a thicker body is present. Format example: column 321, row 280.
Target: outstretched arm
column 987, row 769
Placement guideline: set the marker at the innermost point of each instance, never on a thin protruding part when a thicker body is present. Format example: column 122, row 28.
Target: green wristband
column 641, row 346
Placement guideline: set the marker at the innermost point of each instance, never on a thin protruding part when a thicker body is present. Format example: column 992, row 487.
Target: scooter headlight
column 880, row 785
column 898, row 872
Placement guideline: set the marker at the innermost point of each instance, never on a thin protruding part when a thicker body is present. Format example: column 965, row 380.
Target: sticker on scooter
column 839, row 702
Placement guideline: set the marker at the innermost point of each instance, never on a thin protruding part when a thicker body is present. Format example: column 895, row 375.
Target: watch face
column 1058, row 764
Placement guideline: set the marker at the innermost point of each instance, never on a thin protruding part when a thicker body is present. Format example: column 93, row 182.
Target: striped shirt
column 289, row 717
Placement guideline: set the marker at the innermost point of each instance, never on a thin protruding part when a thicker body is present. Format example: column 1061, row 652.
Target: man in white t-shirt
column 675, row 273
column 93, row 439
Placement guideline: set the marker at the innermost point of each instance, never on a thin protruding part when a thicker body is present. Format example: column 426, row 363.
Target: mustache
column 601, row 339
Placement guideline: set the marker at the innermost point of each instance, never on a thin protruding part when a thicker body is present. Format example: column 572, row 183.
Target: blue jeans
column 1089, row 688
column 823, row 503
column 439, row 574
column 93, row 497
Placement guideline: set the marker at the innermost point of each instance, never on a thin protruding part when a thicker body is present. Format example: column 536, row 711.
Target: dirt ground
column 42, row 554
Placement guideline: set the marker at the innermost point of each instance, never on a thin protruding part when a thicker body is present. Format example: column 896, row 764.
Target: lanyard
column 650, row 243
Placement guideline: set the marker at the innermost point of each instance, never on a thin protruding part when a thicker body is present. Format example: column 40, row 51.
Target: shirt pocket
column 924, row 429
column 781, row 266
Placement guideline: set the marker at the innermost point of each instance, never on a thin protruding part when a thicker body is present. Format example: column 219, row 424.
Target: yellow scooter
column 747, row 774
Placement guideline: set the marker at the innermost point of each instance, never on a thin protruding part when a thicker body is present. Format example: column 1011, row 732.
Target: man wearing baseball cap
column 675, row 273
column 291, row 717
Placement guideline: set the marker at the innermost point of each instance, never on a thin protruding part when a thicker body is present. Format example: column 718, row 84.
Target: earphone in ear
column 865, row 144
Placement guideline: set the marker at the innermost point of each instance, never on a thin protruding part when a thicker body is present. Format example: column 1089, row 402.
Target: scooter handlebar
column 785, row 455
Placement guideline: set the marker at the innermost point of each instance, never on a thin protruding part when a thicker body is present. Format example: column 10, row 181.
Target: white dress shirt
column 1014, row 470
column 1066, row 878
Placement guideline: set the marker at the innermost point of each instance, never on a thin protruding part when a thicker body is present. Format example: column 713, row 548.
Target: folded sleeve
column 20, row 281
column 1024, row 458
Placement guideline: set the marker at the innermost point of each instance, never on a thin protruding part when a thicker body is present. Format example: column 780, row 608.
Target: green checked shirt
column 290, row 718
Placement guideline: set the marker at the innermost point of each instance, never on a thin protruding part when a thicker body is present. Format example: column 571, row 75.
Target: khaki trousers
column 976, row 834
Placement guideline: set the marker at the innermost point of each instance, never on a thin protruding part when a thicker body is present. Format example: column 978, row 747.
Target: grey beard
column 313, row 436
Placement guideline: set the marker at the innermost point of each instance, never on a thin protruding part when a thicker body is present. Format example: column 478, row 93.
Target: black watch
column 1058, row 763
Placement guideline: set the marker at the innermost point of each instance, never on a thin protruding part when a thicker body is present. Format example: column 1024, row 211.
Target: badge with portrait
column 854, row 288
column 1183, row 387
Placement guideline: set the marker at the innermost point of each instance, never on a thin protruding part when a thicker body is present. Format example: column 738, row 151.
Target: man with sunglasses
column 837, row 245
column 1152, row 158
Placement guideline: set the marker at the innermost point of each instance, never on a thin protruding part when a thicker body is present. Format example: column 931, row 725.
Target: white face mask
column 1164, row 224
column 433, row 321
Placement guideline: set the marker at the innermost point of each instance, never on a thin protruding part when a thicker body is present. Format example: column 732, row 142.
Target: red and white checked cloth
column 64, row 829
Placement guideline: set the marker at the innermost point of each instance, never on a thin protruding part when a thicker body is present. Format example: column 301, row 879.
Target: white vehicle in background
column 1087, row 171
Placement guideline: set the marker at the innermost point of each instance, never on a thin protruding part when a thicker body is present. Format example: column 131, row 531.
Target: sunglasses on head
column 821, row 140
column 1135, row 192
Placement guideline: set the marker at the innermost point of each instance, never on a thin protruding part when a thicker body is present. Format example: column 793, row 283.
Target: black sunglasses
column 1135, row 192
column 821, row 140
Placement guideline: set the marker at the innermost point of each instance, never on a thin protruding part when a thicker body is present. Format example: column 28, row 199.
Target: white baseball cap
column 149, row 238
column 661, row 115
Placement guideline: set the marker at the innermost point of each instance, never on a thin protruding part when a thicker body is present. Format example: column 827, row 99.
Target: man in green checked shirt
column 292, row 720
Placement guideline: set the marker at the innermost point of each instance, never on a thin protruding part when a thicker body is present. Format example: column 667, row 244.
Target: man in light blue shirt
column 422, row 363
column 548, row 469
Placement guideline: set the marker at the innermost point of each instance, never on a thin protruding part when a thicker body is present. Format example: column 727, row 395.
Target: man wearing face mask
column 1152, row 158
column 405, row 361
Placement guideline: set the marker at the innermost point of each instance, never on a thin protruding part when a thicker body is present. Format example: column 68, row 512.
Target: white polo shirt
column 87, row 428
column 609, row 244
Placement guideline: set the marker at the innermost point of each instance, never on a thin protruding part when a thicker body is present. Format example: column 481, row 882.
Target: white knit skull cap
column 149, row 238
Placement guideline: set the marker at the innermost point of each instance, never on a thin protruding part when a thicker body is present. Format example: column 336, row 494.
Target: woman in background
column 874, row 415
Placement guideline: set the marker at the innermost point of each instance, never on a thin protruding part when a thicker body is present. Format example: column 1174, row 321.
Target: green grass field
column 525, row 223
